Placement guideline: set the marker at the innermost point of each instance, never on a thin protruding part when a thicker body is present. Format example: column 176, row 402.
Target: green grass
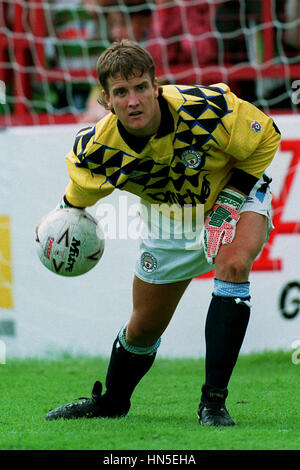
column 263, row 400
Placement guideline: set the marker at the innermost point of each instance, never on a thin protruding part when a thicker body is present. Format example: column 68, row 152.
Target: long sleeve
column 88, row 182
column 85, row 189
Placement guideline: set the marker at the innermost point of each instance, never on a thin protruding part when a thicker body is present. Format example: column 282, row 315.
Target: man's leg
column 133, row 352
column 228, row 314
column 134, row 349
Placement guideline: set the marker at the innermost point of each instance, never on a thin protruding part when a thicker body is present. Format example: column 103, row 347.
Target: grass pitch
column 263, row 400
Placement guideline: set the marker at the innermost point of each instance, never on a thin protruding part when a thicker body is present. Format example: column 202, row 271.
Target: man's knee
column 234, row 268
column 141, row 332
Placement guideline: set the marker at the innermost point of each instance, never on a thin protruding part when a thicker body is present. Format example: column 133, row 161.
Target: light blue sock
column 137, row 349
column 231, row 289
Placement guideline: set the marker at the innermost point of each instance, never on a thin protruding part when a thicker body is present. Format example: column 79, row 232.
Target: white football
column 69, row 242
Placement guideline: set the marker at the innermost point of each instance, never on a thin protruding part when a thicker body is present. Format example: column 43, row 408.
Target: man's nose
column 133, row 99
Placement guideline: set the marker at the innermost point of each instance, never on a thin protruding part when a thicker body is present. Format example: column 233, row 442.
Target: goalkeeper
column 188, row 147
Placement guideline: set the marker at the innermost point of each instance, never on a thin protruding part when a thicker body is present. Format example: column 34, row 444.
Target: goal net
column 48, row 51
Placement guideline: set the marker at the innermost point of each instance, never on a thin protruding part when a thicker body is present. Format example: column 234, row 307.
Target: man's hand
column 220, row 224
column 63, row 204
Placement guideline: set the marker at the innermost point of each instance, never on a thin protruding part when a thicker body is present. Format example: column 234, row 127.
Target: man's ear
column 107, row 103
column 106, row 98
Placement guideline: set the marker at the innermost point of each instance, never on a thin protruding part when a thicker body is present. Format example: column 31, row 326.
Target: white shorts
column 164, row 259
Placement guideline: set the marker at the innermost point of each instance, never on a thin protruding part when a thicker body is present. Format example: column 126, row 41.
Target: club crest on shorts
column 191, row 158
column 255, row 126
column 148, row 262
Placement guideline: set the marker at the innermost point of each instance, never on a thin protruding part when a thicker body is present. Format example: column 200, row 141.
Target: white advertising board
column 42, row 313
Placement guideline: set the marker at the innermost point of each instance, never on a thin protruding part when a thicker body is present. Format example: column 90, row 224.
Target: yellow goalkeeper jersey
column 208, row 138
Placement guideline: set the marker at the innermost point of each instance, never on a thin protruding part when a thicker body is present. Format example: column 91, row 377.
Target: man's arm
column 253, row 141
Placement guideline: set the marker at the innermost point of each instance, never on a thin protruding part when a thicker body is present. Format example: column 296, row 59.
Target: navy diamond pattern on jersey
column 81, row 140
column 210, row 99
column 216, row 102
column 185, row 136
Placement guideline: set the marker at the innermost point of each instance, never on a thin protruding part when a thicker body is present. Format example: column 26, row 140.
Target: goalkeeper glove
column 219, row 227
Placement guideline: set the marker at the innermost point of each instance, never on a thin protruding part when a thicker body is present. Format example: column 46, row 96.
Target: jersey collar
column 166, row 127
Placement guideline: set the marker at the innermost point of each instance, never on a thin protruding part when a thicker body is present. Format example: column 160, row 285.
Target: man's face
column 135, row 103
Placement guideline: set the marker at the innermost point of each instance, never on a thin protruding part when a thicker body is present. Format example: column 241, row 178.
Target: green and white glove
column 219, row 227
